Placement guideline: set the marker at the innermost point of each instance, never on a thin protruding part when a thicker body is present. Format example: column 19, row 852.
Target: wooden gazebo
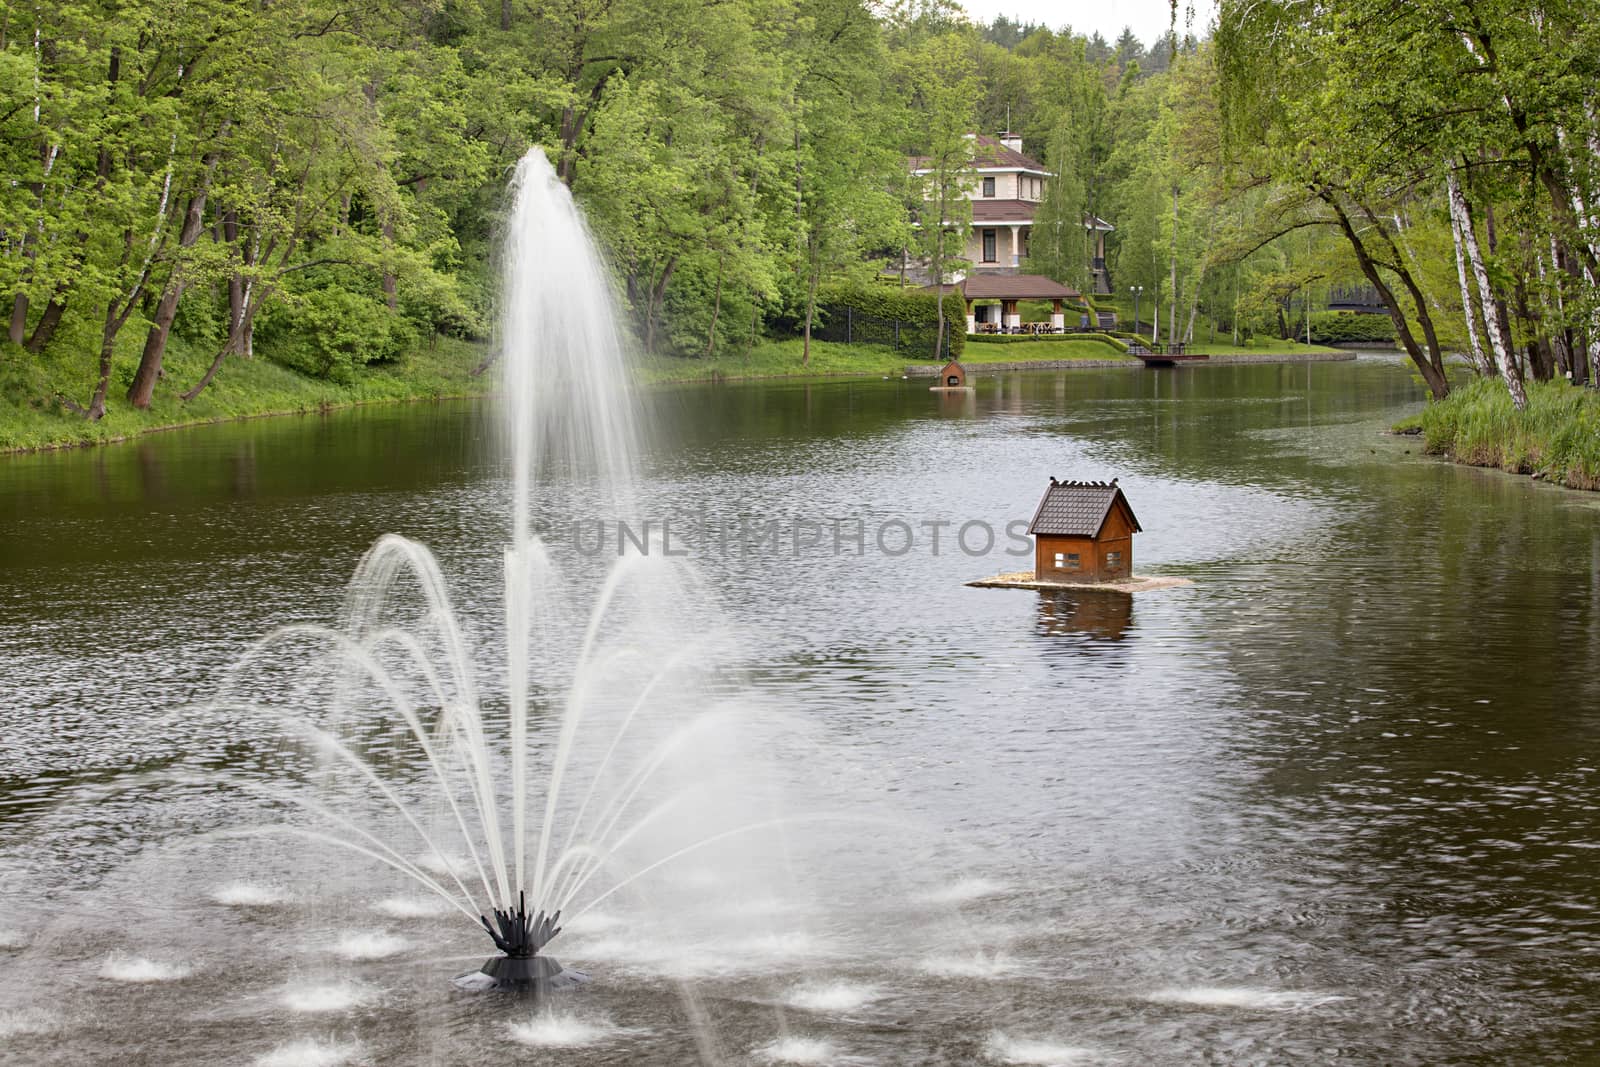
column 1010, row 290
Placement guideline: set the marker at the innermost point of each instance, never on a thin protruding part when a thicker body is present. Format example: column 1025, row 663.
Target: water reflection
column 1353, row 760
column 1102, row 615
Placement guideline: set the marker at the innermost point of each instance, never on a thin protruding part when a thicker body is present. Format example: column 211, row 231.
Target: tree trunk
column 1172, row 297
column 938, row 275
column 505, row 15
column 658, row 294
column 155, row 342
column 716, row 310
column 108, row 341
column 45, row 328
column 236, row 343
column 390, row 288
column 1480, row 360
column 811, row 310
column 1462, row 214
column 19, row 319
column 1432, row 373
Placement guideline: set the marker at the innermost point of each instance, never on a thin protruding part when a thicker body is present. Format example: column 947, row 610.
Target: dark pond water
column 1337, row 801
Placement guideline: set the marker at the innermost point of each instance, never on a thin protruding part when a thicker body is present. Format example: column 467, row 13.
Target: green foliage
column 1345, row 327
column 1058, row 338
column 1557, row 437
column 912, row 306
column 329, row 333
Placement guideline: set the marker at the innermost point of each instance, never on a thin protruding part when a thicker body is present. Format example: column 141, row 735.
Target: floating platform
column 1139, row 583
column 951, row 389
column 1158, row 359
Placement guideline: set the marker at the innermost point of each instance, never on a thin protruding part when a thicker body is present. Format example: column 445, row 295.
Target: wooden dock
column 1165, row 355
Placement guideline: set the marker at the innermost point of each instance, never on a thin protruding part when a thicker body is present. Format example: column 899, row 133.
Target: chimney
column 1012, row 141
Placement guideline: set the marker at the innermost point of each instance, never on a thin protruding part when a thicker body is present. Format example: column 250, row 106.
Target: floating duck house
column 952, row 376
column 1083, row 532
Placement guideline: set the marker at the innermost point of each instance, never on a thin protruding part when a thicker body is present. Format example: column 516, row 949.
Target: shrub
column 329, row 332
column 1557, row 437
column 1347, row 327
column 870, row 314
column 1026, row 338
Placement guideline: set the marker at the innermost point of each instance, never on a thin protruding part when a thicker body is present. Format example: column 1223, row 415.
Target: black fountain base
column 520, row 936
column 511, row 974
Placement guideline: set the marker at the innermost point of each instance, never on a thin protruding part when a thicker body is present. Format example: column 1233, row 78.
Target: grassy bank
column 1017, row 348
column 779, row 359
column 1556, row 438
column 32, row 417
column 1273, row 347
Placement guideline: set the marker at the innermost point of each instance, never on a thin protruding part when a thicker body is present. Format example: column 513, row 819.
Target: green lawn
column 1268, row 347
column 31, row 417
column 1018, row 351
column 780, row 359
column 777, row 359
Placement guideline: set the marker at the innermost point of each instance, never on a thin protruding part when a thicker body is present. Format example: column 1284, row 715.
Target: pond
column 1339, row 799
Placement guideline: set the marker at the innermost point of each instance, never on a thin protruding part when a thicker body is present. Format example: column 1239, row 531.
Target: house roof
column 1078, row 509
column 1012, row 287
column 1002, row 211
column 1095, row 222
column 992, row 152
column 988, row 153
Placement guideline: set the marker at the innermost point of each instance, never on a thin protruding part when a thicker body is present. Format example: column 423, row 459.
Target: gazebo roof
column 1012, row 287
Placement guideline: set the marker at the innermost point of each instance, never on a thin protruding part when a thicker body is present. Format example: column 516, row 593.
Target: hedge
column 882, row 314
column 1028, row 338
column 1347, row 327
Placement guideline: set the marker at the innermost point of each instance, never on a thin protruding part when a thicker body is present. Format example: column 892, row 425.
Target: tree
column 940, row 83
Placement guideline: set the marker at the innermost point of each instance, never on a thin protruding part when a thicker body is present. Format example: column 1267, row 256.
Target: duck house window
column 1067, row 561
column 1113, row 559
column 953, row 380
column 988, row 187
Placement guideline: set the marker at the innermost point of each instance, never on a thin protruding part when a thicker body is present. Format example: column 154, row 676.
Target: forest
column 317, row 185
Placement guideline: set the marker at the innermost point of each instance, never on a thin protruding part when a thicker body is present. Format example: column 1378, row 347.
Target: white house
column 1006, row 190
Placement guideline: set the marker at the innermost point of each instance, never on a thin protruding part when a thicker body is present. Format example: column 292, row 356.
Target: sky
column 1149, row 18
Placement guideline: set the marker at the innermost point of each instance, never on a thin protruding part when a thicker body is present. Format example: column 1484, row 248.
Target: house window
column 1061, row 560
column 1113, row 560
column 1067, row 561
column 988, row 246
column 988, row 187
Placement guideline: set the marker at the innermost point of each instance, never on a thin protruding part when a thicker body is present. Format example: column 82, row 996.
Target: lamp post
column 1135, row 290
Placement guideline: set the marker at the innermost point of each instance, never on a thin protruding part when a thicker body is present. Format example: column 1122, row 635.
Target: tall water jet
column 595, row 757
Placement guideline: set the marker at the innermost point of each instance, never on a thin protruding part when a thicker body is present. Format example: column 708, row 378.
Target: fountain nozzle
column 521, row 936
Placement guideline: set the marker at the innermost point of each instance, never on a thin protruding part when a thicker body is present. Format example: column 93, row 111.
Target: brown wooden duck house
column 1083, row 532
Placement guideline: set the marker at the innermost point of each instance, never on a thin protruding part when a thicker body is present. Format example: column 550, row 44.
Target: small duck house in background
column 1083, row 532
column 952, row 376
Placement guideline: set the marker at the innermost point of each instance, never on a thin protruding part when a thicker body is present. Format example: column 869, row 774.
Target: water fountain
column 606, row 752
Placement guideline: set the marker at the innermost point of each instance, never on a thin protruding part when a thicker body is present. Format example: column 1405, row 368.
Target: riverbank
column 32, row 416
column 781, row 359
column 30, row 419
column 1556, row 439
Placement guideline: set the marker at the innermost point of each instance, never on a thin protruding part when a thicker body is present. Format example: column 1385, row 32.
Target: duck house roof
column 1078, row 509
